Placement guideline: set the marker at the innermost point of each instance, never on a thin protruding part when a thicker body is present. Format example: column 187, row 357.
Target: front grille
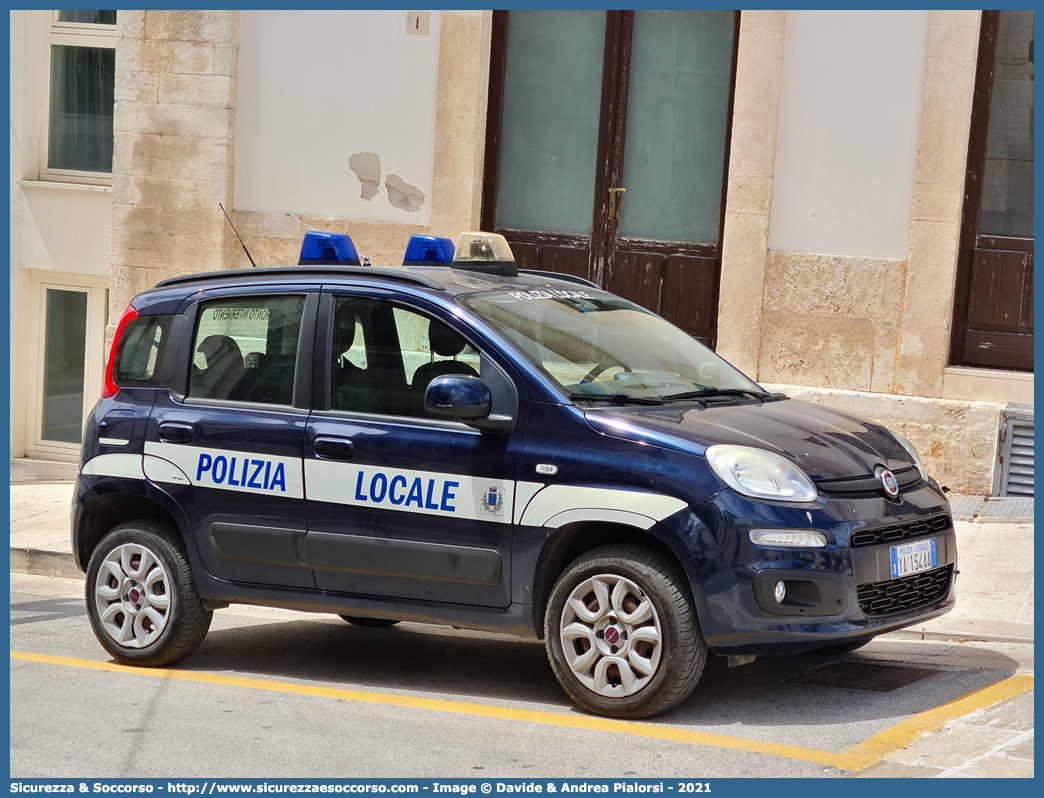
column 896, row 532
column 906, row 593
column 869, row 485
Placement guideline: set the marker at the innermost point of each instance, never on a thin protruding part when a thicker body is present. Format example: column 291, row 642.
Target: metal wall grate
column 872, row 676
column 1015, row 469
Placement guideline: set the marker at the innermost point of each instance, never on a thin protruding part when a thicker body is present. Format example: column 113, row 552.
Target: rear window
column 140, row 355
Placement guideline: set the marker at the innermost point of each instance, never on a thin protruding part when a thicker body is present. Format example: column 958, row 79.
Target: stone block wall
column 956, row 440
column 857, row 323
column 460, row 125
column 832, row 321
column 942, row 153
column 752, row 165
column 173, row 149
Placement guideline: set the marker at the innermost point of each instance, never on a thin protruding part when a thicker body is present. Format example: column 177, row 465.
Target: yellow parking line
column 856, row 758
column 904, row 734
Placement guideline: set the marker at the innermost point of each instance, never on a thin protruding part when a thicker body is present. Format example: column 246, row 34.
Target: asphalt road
column 281, row 694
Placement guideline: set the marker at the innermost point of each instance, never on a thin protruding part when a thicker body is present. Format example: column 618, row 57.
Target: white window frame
column 71, row 34
column 96, row 288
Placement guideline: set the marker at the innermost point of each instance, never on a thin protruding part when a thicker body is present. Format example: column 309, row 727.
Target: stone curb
column 38, row 562
column 957, row 637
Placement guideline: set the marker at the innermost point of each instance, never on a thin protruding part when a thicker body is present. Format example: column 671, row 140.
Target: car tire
column 370, row 623
column 141, row 596
column 655, row 653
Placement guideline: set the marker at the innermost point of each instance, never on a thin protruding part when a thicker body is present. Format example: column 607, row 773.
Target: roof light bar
column 320, row 248
column 487, row 253
column 428, row 250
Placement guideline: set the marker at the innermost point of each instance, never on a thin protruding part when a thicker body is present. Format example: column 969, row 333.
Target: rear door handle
column 175, row 432
column 333, row 448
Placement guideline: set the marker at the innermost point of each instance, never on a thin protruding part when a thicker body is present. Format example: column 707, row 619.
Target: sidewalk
column 995, row 586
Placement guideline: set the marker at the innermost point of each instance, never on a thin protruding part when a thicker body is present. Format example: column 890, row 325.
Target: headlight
column 788, row 538
column 912, row 452
column 761, row 474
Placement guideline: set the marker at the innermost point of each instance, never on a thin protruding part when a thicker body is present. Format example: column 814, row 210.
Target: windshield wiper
column 619, row 398
column 712, row 392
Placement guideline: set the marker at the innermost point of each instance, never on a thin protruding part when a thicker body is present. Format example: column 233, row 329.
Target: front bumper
column 836, row 594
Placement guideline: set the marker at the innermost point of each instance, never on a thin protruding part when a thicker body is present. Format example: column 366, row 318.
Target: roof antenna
column 300, row 221
column 247, row 251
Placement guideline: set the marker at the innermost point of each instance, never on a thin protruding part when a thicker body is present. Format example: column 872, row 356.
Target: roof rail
column 568, row 278
column 393, row 273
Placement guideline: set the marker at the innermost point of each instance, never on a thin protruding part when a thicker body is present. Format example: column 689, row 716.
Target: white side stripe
column 548, row 506
column 427, row 492
column 159, row 470
column 127, row 466
column 524, row 491
column 225, row 469
column 624, row 517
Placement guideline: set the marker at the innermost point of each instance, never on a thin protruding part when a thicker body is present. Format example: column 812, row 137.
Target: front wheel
column 141, row 597
column 622, row 635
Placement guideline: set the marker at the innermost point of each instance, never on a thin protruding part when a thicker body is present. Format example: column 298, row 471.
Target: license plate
column 912, row 558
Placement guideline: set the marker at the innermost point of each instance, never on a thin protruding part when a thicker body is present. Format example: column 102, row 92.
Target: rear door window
column 245, row 349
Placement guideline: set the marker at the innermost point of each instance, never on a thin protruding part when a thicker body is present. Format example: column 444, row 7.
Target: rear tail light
column 110, row 387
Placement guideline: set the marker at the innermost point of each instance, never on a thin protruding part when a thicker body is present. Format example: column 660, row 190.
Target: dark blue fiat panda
column 475, row 445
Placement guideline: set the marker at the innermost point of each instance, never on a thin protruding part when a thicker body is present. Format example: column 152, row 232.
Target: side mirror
column 466, row 399
column 458, row 396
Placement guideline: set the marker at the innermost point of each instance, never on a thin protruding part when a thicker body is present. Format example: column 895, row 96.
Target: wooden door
column 993, row 302
column 607, row 147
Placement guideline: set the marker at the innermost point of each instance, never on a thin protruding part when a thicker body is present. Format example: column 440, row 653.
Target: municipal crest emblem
column 492, row 500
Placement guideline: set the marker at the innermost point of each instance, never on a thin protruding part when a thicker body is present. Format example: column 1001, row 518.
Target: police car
column 461, row 442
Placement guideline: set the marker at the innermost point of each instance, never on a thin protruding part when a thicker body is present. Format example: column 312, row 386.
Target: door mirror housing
column 465, row 398
column 458, row 396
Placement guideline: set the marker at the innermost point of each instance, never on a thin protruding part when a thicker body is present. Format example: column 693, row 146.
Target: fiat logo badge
column 888, row 482
column 612, row 635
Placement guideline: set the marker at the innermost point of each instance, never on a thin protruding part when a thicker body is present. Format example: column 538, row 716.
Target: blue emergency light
column 427, row 250
column 327, row 248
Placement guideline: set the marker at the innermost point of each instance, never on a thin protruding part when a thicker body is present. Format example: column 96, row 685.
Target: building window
column 993, row 301
column 82, row 81
column 66, row 359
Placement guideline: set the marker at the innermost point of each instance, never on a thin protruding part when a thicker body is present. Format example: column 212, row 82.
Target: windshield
column 593, row 344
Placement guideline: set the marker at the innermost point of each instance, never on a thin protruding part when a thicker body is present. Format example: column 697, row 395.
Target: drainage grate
column 873, row 676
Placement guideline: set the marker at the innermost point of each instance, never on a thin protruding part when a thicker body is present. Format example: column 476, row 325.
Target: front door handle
column 333, row 448
column 612, row 199
column 175, row 432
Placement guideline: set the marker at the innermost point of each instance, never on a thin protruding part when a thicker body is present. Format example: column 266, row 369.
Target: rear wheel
column 372, row 623
column 141, row 597
column 622, row 635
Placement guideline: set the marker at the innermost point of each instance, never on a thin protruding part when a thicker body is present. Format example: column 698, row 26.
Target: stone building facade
column 851, row 310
